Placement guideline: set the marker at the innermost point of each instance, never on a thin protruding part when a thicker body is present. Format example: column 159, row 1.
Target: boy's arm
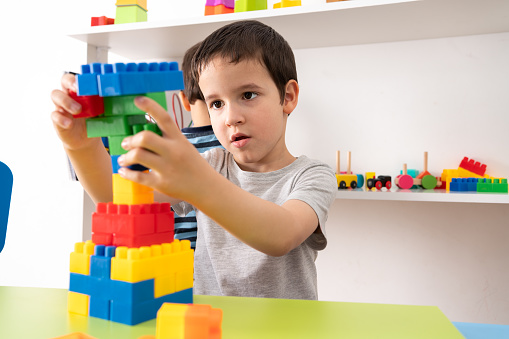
column 178, row 170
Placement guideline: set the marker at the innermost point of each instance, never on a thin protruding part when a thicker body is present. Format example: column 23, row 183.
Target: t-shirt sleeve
column 317, row 187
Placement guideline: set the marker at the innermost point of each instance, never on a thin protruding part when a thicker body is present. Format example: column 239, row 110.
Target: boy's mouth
column 239, row 139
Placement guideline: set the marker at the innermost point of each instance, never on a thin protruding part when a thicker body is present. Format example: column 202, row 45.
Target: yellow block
column 138, row 264
column 287, row 3
column 133, row 199
column 141, row 3
column 170, row 323
column 121, row 185
column 80, row 258
column 165, row 284
column 77, row 303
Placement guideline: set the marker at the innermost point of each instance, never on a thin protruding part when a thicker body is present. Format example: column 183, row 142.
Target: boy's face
column 246, row 113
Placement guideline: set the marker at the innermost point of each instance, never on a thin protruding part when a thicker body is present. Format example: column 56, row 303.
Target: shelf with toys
column 327, row 24
column 470, row 183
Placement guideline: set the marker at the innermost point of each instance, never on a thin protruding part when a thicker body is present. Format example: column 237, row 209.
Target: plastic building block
column 77, row 303
column 87, row 80
column 124, row 105
column 121, row 185
column 219, row 9
column 80, row 258
column 126, row 79
column 250, row 5
column 141, row 3
column 473, row 166
column 6, row 181
column 91, row 105
column 107, row 126
column 138, row 264
column 115, row 142
column 287, row 3
column 75, row 335
column 101, row 21
column 129, row 14
column 226, row 3
column 487, row 185
column 178, row 321
column 463, row 184
column 132, row 225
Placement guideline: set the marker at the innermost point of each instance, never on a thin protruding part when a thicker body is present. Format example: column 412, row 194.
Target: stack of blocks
column 131, row 11
column 213, row 7
column 132, row 265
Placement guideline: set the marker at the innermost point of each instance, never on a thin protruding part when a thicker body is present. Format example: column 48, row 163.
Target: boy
column 200, row 135
column 261, row 211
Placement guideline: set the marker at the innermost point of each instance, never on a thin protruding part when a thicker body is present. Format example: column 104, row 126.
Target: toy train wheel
column 353, row 184
column 388, row 185
column 405, row 181
column 429, row 182
column 369, row 183
column 342, row 185
column 378, row 185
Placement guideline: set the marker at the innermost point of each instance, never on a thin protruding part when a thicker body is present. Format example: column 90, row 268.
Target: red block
column 164, row 218
column 91, row 105
column 143, row 240
column 101, row 21
column 473, row 166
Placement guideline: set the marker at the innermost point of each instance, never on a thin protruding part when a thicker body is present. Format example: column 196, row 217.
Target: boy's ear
column 185, row 101
column 291, row 96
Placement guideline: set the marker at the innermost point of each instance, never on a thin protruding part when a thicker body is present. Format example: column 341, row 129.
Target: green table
column 40, row 313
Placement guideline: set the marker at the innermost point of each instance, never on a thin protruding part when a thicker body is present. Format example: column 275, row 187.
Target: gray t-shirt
column 226, row 266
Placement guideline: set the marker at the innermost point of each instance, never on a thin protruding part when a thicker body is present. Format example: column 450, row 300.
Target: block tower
column 132, row 265
column 131, row 11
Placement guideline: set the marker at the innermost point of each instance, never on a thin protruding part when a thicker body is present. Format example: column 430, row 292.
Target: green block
column 113, row 125
column 114, row 145
column 124, row 104
column 484, row 186
column 249, row 5
column 500, row 186
column 147, row 127
column 128, row 14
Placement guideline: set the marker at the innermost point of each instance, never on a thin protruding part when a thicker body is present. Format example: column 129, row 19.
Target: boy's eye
column 216, row 104
column 250, row 95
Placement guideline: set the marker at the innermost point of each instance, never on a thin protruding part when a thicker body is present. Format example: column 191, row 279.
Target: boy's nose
column 234, row 117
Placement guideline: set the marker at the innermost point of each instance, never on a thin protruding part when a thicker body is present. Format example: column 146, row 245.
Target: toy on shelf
column 468, row 168
column 249, row 5
column 287, row 3
column 133, row 265
column 101, row 21
column 372, row 181
column 347, row 179
column 423, row 179
column 131, row 11
column 213, row 7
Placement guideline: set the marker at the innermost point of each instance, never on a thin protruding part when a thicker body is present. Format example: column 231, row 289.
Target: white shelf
column 324, row 25
column 423, row 195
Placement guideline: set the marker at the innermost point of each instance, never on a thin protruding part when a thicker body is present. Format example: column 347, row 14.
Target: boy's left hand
column 177, row 168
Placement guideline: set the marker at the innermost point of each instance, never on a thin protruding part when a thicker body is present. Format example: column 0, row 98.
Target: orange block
column 219, row 9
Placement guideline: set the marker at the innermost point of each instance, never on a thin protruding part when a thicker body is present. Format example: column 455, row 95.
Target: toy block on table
column 287, row 3
column 472, row 166
column 250, row 5
column 177, row 321
column 132, row 225
column 101, row 21
column 488, row 185
column 463, row 185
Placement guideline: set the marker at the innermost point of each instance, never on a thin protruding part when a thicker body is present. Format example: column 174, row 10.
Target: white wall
column 387, row 103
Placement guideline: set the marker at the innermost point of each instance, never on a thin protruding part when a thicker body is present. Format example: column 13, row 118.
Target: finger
column 145, row 139
column 62, row 119
column 143, row 178
column 162, row 118
column 68, row 82
column 140, row 156
column 64, row 101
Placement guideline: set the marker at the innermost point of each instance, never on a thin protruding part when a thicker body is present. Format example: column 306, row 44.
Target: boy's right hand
column 72, row 131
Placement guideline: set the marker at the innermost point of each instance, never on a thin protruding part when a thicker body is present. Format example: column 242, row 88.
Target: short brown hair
column 191, row 88
column 248, row 40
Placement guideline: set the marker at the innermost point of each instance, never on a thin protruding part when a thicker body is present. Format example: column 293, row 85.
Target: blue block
column 130, row 79
column 100, row 262
column 130, row 314
column 99, row 308
column 132, row 293
column 87, row 80
column 80, row 283
column 116, row 167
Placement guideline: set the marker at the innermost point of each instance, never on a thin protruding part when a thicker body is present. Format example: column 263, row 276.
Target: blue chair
column 5, row 200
